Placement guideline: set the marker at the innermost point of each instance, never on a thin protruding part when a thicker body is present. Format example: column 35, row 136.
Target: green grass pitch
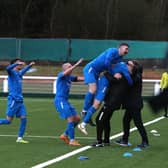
column 44, row 127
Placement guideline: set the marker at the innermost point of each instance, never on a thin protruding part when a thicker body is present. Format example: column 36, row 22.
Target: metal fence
column 47, row 85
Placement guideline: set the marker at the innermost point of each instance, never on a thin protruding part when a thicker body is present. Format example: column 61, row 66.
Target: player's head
column 130, row 65
column 18, row 60
column 65, row 66
column 138, row 69
column 123, row 49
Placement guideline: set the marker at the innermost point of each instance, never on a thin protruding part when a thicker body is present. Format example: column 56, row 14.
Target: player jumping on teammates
column 93, row 69
column 103, row 83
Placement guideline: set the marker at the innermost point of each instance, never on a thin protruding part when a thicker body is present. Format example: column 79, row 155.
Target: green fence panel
column 8, row 48
column 73, row 49
column 89, row 49
column 147, row 49
column 44, row 49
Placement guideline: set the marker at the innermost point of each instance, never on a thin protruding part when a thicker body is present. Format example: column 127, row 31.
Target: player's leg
column 99, row 97
column 23, row 122
column 87, row 117
column 107, row 125
column 10, row 112
column 6, row 120
column 90, row 78
column 62, row 107
column 136, row 115
column 126, row 128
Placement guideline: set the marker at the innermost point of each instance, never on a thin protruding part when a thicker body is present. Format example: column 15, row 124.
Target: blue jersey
column 103, row 82
column 122, row 68
column 63, row 85
column 15, row 81
column 105, row 60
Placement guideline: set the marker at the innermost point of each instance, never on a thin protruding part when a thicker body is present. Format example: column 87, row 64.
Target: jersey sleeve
column 24, row 70
column 112, row 57
column 122, row 68
column 9, row 68
column 74, row 78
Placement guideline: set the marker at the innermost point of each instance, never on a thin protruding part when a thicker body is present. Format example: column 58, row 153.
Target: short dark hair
column 137, row 67
column 124, row 44
column 15, row 60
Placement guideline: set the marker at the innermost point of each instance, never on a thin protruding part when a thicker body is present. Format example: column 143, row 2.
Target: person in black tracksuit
column 133, row 104
column 130, row 97
column 112, row 102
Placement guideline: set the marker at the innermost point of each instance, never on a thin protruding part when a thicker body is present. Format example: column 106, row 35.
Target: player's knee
column 77, row 119
column 92, row 89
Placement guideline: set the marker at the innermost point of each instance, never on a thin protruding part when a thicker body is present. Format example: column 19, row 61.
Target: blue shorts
column 15, row 108
column 64, row 108
column 90, row 75
column 103, row 84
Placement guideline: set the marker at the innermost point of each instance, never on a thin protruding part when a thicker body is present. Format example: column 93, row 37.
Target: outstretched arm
column 24, row 70
column 70, row 69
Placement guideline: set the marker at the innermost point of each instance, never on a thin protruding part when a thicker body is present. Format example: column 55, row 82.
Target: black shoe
column 91, row 123
column 97, row 144
column 143, row 145
column 121, row 142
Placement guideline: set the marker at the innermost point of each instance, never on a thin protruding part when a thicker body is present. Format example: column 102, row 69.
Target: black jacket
column 116, row 92
column 121, row 93
column 133, row 97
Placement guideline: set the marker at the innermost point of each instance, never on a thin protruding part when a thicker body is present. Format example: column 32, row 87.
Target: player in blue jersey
column 63, row 106
column 119, row 69
column 100, row 64
column 15, row 105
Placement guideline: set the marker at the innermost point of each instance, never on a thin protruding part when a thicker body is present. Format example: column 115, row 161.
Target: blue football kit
column 93, row 69
column 61, row 102
column 15, row 104
column 102, row 63
column 103, row 83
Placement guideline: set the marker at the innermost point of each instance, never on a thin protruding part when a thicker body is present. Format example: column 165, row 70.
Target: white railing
column 45, row 84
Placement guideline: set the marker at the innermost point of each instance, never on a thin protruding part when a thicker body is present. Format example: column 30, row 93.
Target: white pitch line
column 62, row 157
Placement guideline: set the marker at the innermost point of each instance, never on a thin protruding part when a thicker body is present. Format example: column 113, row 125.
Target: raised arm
column 67, row 70
column 26, row 68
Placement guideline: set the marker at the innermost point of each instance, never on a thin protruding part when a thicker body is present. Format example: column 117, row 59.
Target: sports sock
column 4, row 121
column 89, row 97
column 22, row 128
column 71, row 130
column 66, row 132
column 89, row 114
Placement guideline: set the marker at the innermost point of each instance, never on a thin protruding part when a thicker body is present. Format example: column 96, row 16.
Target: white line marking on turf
column 57, row 159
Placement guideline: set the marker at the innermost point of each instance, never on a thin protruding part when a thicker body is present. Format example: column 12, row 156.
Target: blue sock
column 22, row 128
column 66, row 132
column 4, row 121
column 89, row 114
column 89, row 97
column 71, row 130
